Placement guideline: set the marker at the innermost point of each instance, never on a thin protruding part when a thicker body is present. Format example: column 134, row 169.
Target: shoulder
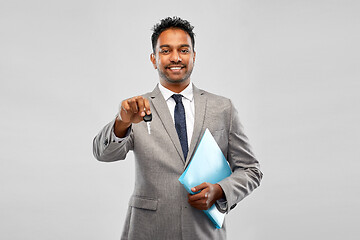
column 152, row 94
column 215, row 100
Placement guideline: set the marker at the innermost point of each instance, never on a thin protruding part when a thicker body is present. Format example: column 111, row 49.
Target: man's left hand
column 209, row 194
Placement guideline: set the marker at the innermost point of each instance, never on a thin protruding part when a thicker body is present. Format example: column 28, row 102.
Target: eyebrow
column 182, row 45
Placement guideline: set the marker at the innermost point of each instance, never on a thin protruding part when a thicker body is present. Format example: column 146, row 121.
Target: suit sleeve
column 246, row 174
column 107, row 149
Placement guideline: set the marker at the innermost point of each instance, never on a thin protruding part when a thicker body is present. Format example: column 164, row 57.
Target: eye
column 185, row 50
column 164, row 51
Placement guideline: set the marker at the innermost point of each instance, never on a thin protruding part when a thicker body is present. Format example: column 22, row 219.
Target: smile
column 175, row 67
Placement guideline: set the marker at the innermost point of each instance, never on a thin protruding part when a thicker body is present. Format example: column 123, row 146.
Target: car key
column 147, row 118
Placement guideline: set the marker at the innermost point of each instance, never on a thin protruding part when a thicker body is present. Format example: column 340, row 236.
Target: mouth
column 175, row 68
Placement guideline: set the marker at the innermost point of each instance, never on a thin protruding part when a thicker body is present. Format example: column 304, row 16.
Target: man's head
column 172, row 22
column 173, row 52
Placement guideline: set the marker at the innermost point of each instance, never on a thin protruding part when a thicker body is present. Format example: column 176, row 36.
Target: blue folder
column 207, row 165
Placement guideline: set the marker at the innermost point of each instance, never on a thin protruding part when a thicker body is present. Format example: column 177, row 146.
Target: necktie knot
column 177, row 98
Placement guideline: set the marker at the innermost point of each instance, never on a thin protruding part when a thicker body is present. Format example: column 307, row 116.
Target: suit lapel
column 200, row 110
column 162, row 109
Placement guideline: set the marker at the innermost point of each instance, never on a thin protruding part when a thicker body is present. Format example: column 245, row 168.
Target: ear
column 153, row 60
column 194, row 56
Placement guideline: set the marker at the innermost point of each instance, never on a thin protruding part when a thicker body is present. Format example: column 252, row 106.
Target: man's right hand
column 131, row 110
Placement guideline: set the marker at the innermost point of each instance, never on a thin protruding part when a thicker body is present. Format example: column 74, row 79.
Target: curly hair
column 172, row 22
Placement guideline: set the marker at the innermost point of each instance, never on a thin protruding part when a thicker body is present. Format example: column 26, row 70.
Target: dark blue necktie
column 180, row 123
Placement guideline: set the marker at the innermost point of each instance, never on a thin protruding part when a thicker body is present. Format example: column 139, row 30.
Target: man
column 160, row 207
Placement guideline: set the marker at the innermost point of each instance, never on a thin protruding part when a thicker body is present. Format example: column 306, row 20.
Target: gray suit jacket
column 159, row 208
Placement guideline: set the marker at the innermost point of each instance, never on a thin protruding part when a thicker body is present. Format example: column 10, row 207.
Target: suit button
column 106, row 142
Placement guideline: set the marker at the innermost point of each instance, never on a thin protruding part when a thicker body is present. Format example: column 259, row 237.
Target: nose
column 175, row 56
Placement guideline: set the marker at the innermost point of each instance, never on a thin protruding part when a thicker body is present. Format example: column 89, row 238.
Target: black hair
column 172, row 22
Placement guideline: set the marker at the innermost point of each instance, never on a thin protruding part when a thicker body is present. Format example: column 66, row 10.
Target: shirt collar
column 187, row 92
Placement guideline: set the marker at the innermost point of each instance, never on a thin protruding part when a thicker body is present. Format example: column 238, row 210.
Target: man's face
column 174, row 57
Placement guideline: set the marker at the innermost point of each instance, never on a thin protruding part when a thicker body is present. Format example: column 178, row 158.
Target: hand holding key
column 132, row 110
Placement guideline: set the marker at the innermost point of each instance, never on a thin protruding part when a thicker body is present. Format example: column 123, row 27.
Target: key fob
column 148, row 118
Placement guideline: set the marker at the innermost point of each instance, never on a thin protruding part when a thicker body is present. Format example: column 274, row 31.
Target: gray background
column 290, row 67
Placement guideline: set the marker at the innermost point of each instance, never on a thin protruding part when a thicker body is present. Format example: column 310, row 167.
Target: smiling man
column 160, row 207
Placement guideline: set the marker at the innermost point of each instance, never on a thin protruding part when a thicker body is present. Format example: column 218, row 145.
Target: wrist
column 120, row 127
column 220, row 191
column 119, row 118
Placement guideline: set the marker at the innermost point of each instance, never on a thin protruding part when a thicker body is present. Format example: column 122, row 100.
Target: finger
column 199, row 187
column 205, row 202
column 133, row 105
column 198, row 203
column 199, row 196
column 140, row 105
column 202, row 205
column 147, row 106
column 206, row 195
column 125, row 111
column 125, row 106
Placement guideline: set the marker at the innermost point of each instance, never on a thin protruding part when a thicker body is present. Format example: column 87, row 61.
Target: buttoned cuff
column 114, row 138
column 221, row 205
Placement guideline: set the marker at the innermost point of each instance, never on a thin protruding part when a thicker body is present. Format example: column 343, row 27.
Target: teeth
column 175, row 68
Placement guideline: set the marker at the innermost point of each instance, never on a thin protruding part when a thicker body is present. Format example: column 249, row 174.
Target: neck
column 175, row 87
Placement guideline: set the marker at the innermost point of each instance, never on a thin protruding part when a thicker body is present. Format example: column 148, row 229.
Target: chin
column 176, row 81
column 170, row 80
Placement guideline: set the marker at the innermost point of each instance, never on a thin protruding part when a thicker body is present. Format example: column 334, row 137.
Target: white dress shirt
column 189, row 106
